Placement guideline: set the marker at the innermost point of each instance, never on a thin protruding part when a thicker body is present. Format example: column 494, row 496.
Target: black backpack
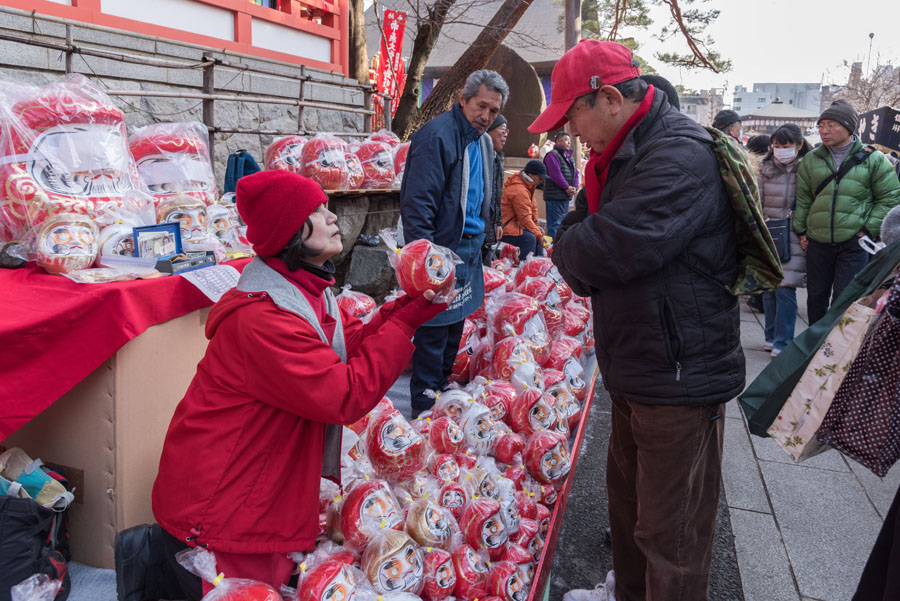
column 33, row 540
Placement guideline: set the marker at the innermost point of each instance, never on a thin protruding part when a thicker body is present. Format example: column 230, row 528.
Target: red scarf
column 598, row 165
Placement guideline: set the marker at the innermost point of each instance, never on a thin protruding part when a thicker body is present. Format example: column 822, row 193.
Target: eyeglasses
column 827, row 125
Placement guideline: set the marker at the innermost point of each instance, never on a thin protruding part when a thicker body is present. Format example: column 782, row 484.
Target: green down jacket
column 857, row 203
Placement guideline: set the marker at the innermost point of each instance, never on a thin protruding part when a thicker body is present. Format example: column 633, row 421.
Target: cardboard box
column 111, row 427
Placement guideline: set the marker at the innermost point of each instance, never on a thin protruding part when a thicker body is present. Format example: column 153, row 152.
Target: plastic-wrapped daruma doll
column 422, row 265
column 329, row 581
column 324, row 161
column 482, row 524
column 531, row 411
column 477, row 424
column 439, row 577
column 400, row 154
column 430, row 525
column 265, row 443
column 355, row 173
column 368, row 509
column 64, row 150
column 393, row 563
column 520, row 314
column 285, row 153
column 445, row 435
column 190, row 214
column 547, row 457
column 173, row 158
column 506, row 582
column 394, row 448
column 377, row 164
column 452, row 497
column 66, row 242
column 471, row 573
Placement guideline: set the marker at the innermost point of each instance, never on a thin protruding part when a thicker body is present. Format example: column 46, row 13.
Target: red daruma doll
column 332, row 580
column 377, row 164
column 440, row 577
column 368, row 509
column 422, row 265
column 482, row 524
column 202, row 563
column 471, row 573
column 394, row 448
column 324, row 161
column 547, row 457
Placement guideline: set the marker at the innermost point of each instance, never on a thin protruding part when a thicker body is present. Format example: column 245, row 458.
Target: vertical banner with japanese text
column 390, row 76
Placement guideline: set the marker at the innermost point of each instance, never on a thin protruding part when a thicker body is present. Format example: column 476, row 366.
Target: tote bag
column 795, row 427
column 863, row 422
column 766, row 395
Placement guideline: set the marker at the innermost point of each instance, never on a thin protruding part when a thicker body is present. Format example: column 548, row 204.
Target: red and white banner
column 391, row 75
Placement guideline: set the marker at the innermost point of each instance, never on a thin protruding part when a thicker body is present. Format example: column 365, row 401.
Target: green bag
column 766, row 395
column 759, row 268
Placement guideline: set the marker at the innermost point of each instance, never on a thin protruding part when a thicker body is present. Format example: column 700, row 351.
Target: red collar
column 308, row 283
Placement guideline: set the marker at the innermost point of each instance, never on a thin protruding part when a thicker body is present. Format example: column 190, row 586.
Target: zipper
column 672, row 338
column 833, row 199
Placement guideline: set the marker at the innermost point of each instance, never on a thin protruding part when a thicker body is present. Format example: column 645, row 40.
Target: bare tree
column 429, row 24
column 475, row 57
column 359, row 57
column 603, row 20
column 881, row 87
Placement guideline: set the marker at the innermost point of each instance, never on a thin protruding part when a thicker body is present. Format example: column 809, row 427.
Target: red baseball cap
column 583, row 69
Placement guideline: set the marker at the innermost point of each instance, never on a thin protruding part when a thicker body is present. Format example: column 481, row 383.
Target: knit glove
column 388, row 309
column 416, row 312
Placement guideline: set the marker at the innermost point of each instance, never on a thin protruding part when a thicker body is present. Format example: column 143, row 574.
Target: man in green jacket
column 830, row 221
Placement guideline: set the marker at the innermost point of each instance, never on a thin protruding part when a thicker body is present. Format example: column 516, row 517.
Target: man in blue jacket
column 445, row 197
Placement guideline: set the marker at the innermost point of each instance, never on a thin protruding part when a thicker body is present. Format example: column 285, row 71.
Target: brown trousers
column 663, row 477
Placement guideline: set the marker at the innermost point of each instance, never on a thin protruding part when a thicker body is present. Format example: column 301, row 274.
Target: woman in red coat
column 284, row 369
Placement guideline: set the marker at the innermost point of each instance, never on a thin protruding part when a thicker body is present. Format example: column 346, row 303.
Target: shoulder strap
column 857, row 159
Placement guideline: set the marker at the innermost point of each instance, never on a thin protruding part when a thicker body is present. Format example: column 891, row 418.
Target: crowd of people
column 631, row 233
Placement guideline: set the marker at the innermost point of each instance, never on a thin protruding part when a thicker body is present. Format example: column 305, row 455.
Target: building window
column 760, row 99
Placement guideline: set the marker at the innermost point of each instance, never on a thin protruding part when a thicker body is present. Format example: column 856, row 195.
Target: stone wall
column 28, row 64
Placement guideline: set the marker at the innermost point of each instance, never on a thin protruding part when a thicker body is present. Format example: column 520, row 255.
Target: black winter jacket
column 665, row 334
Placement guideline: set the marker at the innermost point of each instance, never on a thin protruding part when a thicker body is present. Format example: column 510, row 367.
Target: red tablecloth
column 54, row 332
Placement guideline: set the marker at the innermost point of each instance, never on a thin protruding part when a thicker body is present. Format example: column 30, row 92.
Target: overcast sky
column 789, row 40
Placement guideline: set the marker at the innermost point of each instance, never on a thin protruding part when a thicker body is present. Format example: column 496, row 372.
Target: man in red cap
column 651, row 240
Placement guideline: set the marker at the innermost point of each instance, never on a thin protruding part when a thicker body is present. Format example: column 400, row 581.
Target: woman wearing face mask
column 777, row 178
column 285, row 368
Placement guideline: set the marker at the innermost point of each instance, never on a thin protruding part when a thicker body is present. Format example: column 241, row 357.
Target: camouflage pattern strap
column 759, row 268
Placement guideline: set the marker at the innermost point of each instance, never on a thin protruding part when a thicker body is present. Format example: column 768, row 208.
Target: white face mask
column 784, row 155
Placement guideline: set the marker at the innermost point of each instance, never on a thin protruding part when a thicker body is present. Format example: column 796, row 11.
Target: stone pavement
column 785, row 531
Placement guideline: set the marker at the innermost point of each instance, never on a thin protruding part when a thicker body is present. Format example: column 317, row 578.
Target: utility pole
column 573, row 36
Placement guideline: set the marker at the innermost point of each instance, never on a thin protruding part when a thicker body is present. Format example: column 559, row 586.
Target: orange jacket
column 518, row 207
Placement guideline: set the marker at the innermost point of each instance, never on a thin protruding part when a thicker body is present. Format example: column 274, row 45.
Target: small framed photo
column 159, row 241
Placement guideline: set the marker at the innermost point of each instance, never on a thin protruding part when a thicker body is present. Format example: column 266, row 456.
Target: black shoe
column 143, row 572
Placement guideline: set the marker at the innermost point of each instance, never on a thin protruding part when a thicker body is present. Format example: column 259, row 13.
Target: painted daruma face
column 66, row 242
column 378, row 506
column 555, row 462
column 189, row 213
column 493, row 532
column 396, row 437
column 401, row 571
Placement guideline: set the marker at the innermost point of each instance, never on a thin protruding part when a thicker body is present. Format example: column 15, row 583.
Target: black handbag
column 780, row 230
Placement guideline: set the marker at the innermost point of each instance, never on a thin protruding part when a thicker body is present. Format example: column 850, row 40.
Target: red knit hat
column 275, row 204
